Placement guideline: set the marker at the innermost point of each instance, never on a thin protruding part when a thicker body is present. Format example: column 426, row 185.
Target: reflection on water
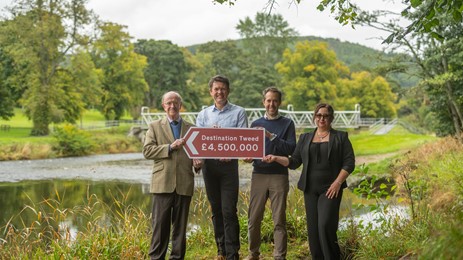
column 32, row 187
column 375, row 219
column 23, row 202
column 118, row 180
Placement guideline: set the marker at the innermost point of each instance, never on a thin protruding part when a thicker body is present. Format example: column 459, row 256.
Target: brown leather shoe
column 220, row 257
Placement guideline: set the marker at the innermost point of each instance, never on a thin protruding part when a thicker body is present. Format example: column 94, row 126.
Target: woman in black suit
column 328, row 159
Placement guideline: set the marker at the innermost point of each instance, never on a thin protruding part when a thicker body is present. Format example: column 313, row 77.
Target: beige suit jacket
column 171, row 171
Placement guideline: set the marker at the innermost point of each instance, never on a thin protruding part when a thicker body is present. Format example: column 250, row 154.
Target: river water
column 130, row 168
column 67, row 182
column 25, row 185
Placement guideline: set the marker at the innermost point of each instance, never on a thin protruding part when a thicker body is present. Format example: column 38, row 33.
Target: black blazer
column 340, row 155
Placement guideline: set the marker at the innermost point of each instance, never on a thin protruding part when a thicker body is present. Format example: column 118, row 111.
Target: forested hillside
column 356, row 56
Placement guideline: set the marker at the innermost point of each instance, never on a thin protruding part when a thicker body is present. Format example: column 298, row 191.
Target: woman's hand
column 333, row 190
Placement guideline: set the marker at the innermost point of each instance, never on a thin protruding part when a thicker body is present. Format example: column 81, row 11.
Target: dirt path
column 359, row 160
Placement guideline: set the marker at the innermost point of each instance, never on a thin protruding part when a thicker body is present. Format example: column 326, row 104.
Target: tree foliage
column 80, row 85
column 7, row 101
column 226, row 58
column 264, row 40
column 197, row 79
column 437, row 63
column 167, row 70
column 372, row 93
column 310, row 74
column 123, row 81
column 37, row 38
column 347, row 12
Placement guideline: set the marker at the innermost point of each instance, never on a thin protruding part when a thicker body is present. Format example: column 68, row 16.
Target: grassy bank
column 17, row 144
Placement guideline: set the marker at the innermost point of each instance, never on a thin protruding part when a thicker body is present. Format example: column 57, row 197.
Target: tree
column 226, row 59
column 427, row 22
column 37, row 38
column 264, row 41
column 7, row 101
column 266, row 37
column 310, row 74
column 437, row 63
column 123, row 81
column 373, row 93
column 198, row 76
column 166, row 71
column 80, row 84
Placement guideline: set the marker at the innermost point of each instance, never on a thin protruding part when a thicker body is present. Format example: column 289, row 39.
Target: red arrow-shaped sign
column 233, row 143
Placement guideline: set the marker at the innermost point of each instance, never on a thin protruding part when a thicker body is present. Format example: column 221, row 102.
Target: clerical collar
column 267, row 117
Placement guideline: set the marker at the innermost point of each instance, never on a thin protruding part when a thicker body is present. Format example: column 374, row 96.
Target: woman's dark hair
column 219, row 78
column 324, row 105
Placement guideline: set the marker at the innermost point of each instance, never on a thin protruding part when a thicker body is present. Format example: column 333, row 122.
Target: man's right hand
column 177, row 144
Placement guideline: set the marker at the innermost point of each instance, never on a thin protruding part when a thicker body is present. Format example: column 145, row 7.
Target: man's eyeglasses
column 169, row 103
column 320, row 116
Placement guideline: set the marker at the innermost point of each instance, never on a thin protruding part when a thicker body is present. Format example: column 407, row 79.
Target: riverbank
column 18, row 145
column 428, row 178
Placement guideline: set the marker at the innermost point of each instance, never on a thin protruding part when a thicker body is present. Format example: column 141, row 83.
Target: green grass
column 19, row 120
column 21, row 126
column 398, row 139
column 18, row 144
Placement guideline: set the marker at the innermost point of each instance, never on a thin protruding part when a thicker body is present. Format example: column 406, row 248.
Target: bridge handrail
column 302, row 119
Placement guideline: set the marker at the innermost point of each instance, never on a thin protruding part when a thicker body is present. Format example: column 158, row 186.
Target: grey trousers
column 274, row 187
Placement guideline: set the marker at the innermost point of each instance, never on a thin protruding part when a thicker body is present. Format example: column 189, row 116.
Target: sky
column 189, row 22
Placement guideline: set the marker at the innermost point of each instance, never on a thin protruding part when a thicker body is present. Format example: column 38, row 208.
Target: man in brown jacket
column 172, row 179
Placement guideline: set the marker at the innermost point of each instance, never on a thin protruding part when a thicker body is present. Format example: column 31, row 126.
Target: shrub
column 72, row 141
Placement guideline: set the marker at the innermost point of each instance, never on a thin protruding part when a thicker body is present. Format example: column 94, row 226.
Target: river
column 130, row 168
column 68, row 182
column 25, row 184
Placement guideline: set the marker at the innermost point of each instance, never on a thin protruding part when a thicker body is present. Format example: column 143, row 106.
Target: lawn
column 397, row 139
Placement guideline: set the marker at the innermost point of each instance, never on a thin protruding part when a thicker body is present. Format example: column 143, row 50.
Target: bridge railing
column 302, row 119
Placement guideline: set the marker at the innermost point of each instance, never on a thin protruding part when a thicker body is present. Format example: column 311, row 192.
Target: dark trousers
column 169, row 209
column 222, row 182
column 322, row 223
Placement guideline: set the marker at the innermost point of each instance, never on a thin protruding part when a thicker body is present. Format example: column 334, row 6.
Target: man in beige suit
column 172, row 179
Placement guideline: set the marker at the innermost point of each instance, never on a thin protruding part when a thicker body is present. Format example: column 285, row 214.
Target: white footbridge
column 302, row 119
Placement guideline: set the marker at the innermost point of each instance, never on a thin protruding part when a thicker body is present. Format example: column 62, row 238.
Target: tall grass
column 429, row 182
column 123, row 233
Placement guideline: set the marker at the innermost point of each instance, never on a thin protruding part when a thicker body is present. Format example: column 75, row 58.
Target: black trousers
column 322, row 223
column 169, row 209
column 222, row 183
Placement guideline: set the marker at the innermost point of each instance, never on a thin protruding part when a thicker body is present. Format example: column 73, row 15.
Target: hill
column 356, row 56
